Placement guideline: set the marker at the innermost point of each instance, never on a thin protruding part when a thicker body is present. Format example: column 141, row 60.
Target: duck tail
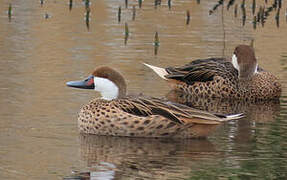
column 230, row 117
column 161, row 72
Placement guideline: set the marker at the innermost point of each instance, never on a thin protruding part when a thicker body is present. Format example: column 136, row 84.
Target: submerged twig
column 169, row 4
column 253, row 7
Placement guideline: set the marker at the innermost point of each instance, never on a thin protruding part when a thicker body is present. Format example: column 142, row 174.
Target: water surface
column 38, row 113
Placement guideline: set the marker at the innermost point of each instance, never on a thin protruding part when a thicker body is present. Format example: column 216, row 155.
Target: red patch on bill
column 90, row 81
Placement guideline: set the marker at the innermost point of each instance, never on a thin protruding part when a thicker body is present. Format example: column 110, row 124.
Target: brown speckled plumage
column 217, row 78
column 144, row 117
column 205, row 80
column 214, row 77
column 259, row 111
column 140, row 116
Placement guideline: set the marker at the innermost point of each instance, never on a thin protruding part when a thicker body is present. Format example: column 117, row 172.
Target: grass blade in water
column 87, row 4
column 277, row 17
column 254, row 22
column 134, row 12
column 253, row 7
column 156, row 43
column 235, row 10
column 10, row 12
column 119, row 14
column 156, row 39
column 70, row 5
column 88, row 18
column 187, row 17
column 126, row 3
column 126, row 33
column 230, row 3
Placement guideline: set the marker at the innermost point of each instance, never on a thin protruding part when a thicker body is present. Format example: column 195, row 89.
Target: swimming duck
column 241, row 78
column 261, row 111
column 117, row 114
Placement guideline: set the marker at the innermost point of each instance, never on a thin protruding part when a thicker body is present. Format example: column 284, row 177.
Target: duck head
column 244, row 61
column 105, row 80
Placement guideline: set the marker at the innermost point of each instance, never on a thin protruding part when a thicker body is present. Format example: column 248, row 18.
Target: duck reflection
column 258, row 116
column 132, row 158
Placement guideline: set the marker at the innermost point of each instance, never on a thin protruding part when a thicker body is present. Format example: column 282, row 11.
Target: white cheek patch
column 235, row 62
column 107, row 88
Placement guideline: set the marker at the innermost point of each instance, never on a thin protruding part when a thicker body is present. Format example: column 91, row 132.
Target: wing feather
column 148, row 106
column 178, row 113
column 201, row 70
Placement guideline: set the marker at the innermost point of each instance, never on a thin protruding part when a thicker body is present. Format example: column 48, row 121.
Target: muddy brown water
column 38, row 113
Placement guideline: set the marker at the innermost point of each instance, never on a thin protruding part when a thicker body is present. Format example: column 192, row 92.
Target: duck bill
column 84, row 84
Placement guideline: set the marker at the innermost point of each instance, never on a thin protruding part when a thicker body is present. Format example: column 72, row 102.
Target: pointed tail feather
column 161, row 72
column 216, row 119
column 230, row 117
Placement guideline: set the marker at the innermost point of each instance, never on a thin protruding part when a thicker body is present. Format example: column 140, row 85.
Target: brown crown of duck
column 240, row 78
column 114, row 76
column 120, row 115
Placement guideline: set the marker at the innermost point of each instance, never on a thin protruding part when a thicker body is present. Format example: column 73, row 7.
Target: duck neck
column 247, row 71
column 109, row 96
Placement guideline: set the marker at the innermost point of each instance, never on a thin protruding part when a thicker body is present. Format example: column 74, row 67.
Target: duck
column 260, row 112
column 117, row 114
column 236, row 78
